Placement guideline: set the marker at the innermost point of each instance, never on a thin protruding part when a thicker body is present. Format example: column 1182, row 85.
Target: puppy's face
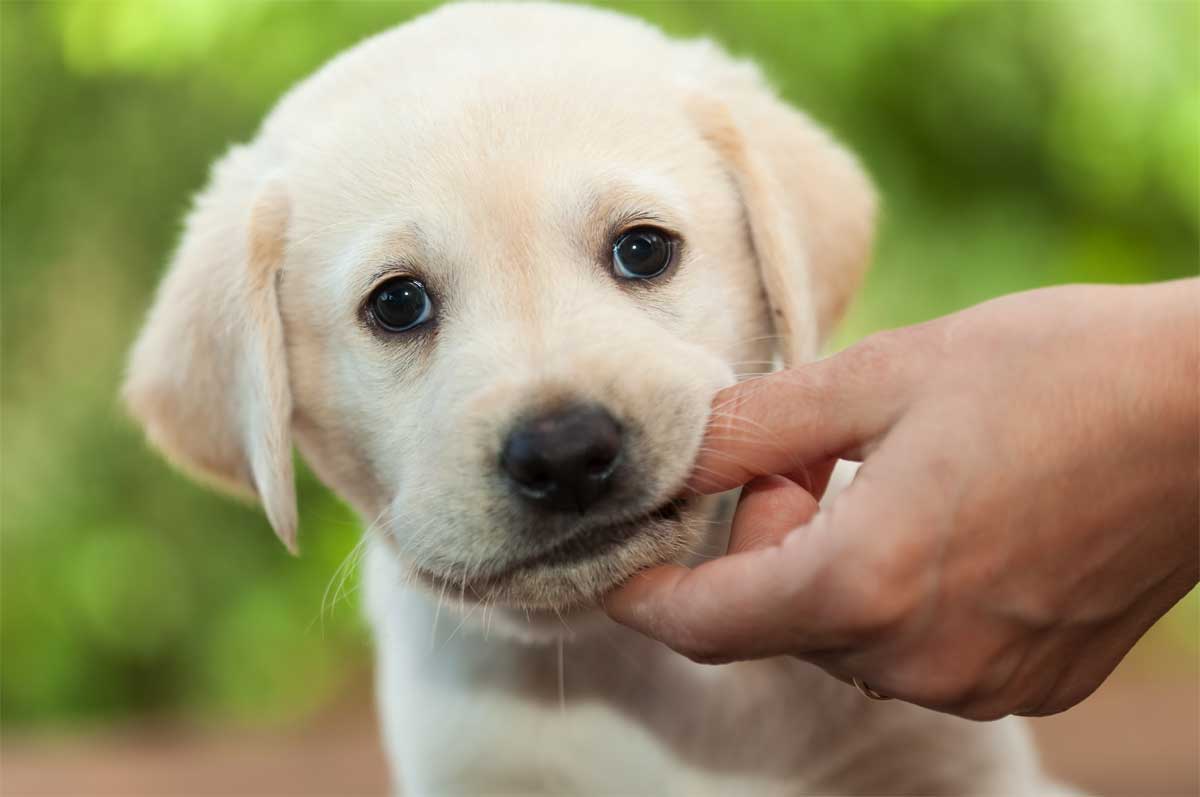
column 494, row 314
column 517, row 341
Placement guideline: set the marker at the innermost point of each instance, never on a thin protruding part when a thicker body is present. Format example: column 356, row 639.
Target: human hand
column 1027, row 505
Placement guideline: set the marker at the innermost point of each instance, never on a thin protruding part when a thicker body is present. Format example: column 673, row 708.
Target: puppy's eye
column 401, row 304
column 641, row 253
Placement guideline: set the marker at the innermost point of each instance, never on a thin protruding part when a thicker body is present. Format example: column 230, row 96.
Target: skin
column 1026, row 509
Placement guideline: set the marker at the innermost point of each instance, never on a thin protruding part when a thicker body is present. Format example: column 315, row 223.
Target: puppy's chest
column 616, row 713
column 656, row 737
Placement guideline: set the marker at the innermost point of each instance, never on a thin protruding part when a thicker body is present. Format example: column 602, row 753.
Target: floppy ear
column 810, row 207
column 207, row 377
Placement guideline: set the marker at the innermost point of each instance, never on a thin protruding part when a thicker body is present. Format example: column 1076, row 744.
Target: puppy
column 487, row 270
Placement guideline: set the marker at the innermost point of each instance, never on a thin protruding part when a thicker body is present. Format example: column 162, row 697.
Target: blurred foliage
column 1016, row 145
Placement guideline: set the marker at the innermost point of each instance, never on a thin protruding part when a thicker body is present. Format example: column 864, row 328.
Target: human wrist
column 1170, row 314
column 1173, row 311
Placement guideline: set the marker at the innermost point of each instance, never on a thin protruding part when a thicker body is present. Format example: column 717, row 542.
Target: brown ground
column 1137, row 735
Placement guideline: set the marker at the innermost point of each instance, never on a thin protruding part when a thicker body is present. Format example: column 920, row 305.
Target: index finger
column 776, row 424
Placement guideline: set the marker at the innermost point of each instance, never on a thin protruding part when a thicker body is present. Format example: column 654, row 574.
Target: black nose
column 565, row 459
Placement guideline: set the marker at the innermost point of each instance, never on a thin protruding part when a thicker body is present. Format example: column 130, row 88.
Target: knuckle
column 898, row 356
column 871, row 361
column 884, row 588
column 881, row 356
column 808, row 388
column 870, row 613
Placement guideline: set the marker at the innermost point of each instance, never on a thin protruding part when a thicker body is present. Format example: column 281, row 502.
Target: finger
column 768, row 509
column 814, row 478
column 780, row 422
column 800, row 596
column 745, row 605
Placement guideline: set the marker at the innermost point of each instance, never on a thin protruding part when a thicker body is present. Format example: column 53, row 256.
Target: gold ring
column 867, row 691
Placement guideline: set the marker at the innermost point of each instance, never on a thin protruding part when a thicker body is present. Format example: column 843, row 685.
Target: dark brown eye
column 641, row 253
column 401, row 304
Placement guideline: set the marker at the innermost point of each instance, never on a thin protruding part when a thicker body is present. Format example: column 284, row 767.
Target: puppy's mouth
column 583, row 548
column 590, row 543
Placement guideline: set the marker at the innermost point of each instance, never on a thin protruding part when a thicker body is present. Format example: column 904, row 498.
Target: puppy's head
column 487, row 271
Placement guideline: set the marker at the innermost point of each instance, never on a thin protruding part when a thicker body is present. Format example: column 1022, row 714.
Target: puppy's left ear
column 809, row 205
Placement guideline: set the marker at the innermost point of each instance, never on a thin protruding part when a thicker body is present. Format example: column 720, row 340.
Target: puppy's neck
column 504, row 623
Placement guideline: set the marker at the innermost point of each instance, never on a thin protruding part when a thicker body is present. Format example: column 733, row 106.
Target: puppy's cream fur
column 493, row 151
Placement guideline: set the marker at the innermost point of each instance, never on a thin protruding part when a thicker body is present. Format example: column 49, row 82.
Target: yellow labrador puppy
column 487, row 270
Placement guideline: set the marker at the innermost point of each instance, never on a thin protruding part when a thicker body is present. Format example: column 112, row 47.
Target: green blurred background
column 1015, row 145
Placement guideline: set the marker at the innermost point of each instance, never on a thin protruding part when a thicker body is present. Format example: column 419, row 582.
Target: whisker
column 562, row 681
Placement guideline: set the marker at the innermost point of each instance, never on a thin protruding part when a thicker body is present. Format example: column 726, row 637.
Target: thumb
column 777, row 592
column 742, row 605
column 779, row 423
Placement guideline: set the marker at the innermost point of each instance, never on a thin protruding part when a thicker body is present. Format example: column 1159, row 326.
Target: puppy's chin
column 576, row 573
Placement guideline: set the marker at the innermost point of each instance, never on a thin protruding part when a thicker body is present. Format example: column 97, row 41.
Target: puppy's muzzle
column 564, row 460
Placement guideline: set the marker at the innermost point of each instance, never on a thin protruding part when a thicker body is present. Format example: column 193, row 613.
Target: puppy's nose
column 564, row 460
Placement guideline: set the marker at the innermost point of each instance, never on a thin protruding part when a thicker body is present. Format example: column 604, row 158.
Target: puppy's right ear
column 208, row 378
